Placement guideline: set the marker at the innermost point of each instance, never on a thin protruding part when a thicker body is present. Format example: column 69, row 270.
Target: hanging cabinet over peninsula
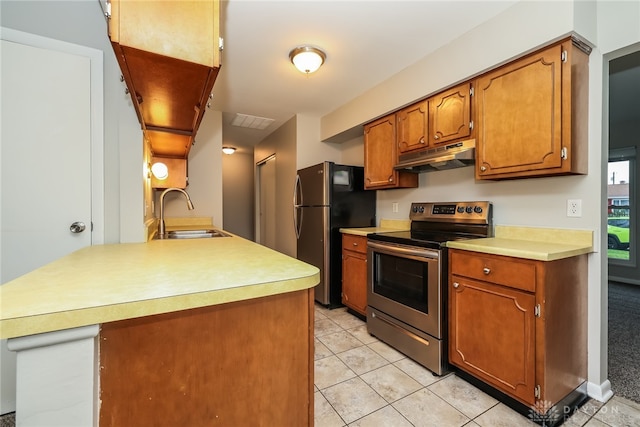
column 169, row 56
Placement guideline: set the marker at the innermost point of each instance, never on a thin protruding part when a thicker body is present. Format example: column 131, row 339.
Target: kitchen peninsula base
column 243, row 363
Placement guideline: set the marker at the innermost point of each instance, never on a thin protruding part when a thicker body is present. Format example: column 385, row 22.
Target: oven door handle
column 398, row 250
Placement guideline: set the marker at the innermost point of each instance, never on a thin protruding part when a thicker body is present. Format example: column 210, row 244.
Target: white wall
column 309, row 150
column 238, row 194
column 205, row 175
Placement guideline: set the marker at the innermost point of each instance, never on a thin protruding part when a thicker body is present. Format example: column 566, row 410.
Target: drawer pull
column 486, row 270
column 355, row 244
column 456, row 284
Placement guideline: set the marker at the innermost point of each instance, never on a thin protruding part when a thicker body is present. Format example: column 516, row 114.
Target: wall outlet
column 574, row 208
column 394, row 207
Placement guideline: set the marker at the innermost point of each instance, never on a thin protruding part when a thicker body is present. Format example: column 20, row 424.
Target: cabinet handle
column 456, row 284
column 390, row 179
column 422, row 140
column 355, row 244
column 483, row 168
column 486, row 270
column 436, row 137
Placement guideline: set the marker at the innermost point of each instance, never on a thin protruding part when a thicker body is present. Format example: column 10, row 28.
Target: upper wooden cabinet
column 413, row 127
column 532, row 115
column 441, row 119
column 450, row 115
column 380, row 156
column 169, row 56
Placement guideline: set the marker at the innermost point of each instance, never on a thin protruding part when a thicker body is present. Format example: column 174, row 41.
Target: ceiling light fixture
column 228, row 150
column 307, row 59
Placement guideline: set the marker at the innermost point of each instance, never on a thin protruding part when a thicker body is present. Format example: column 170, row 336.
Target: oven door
column 404, row 282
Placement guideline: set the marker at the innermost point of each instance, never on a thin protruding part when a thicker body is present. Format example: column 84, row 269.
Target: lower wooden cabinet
column 354, row 272
column 244, row 363
column 519, row 325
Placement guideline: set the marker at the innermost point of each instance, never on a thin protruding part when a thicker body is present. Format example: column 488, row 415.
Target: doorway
column 623, row 290
column 266, row 203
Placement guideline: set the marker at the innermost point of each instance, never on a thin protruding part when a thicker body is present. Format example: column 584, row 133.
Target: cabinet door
column 354, row 281
column 380, row 156
column 520, row 117
column 492, row 335
column 450, row 115
column 413, row 127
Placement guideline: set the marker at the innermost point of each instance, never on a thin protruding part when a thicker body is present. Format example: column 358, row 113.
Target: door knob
column 77, row 227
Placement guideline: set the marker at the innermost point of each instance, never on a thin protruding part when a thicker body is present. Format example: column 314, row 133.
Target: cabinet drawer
column 515, row 273
column 351, row 242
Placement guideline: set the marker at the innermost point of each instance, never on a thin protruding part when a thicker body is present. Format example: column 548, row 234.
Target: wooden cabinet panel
column 355, row 243
column 413, row 125
column 532, row 115
column 504, row 271
column 516, row 336
column 493, row 335
column 450, row 115
column 354, row 272
column 380, row 156
column 207, row 366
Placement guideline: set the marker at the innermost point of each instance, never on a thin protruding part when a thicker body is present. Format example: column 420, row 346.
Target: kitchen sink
column 195, row 234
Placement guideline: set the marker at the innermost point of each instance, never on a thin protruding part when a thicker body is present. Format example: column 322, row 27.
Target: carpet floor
column 624, row 340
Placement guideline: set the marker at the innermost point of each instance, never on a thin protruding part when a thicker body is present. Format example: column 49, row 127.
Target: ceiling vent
column 251, row 122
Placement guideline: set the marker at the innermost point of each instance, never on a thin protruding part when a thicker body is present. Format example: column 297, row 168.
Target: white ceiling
column 366, row 42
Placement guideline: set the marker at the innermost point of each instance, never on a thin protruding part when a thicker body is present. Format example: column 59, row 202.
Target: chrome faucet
column 161, row 228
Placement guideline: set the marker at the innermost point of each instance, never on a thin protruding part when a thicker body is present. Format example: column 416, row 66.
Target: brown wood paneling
column 243, row 363
column 561, row 353
column 450, row 115
column 354, row 243
column 492, row 335
column 512, row 272
column 413, row 125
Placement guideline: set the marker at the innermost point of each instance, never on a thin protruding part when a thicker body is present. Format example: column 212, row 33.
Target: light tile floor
column 361, row 381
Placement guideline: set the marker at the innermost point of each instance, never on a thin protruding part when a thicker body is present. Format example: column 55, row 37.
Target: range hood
column 456, row 155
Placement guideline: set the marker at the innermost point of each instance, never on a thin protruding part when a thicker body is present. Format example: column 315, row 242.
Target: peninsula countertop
column 106, row 283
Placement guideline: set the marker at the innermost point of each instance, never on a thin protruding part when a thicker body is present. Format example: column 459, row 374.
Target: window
column 621, row 206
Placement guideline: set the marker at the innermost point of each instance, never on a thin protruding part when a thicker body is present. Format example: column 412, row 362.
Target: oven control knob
column 421, row 209
column 477, row 209
column 460, row 209
column 469, row 209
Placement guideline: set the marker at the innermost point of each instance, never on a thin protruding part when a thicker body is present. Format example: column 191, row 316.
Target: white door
column 45, row 164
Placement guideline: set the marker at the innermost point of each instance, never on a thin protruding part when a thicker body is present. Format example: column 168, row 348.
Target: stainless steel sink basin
column 195, row 234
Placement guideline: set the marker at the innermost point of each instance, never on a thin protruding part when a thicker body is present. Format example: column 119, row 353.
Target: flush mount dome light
column 228, row 150
column 160, row 170
column 307, row 59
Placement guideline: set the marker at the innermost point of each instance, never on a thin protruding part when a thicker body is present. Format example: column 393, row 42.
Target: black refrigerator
column 328, row 197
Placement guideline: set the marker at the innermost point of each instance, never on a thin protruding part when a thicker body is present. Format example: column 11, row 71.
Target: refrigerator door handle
column 296, row 206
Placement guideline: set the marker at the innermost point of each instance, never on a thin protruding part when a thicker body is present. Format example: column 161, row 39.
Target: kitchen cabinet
column 532, row 115
column 169, row 56
column 520, row 325
column 354, row 272
column 380, row 157
column 413, row 127
column 450, row 115
column 441, row 119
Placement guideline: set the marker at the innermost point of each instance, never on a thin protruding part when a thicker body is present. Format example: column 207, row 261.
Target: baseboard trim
column 601, row 393
column 625, row 280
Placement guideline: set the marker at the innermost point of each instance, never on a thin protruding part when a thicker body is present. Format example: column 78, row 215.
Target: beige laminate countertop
column 106, row 283
column 543, row 244
column 385, row 226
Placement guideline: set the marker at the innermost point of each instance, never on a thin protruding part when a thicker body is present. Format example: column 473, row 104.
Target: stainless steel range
column 407, row 278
